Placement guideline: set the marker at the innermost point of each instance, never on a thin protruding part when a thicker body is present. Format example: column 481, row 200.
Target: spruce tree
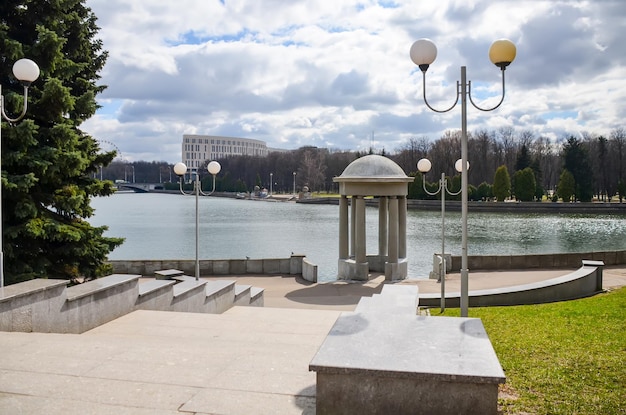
column 501, row 184
column 576, row 161
column 525, row 185
column 567, row 186
column 48, row 163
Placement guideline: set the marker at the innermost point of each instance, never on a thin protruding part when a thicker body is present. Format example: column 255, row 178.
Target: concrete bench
column 382, row 363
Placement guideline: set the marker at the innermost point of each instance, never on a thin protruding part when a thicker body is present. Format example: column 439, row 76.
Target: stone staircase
column 49, row 306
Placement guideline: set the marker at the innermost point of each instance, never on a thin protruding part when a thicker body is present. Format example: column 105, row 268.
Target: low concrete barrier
column 309, row 270
column 584, row 282
column 539, row 261
column 293, row 265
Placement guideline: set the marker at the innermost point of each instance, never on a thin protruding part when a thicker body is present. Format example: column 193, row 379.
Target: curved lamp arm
column 211, row 192
column 180, row 169
column 180, row 182
column 4, row 114
column 214, row 168
column 469, row 93
column 445, row 186
column 426, row 101
column 426, row 190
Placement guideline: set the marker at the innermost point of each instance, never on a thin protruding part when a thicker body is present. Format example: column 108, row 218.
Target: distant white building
column 197, row 149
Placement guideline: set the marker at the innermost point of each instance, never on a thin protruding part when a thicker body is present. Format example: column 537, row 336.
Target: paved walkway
column 248, row 360
column 290, row 292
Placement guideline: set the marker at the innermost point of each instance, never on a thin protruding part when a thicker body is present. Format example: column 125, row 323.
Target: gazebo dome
column 371, row 166
column 373, row 175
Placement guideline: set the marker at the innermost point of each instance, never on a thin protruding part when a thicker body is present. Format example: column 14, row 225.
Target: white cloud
column 334, row 73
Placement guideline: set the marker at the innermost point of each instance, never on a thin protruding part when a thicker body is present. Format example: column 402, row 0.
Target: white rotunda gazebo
column 382, row 178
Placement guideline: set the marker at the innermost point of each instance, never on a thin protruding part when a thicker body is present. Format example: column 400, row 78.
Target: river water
column 162, row 226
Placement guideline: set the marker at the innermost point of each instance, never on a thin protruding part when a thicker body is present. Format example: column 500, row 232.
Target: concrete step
column 242, row 294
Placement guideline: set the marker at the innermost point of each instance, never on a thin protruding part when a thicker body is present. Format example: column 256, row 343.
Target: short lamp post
column 27, row 72
column 180, row 169
column 294, row 183
column 424, row 166
column 271, row 182
column 423, row 53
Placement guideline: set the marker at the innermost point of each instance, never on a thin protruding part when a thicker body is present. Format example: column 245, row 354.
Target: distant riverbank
column 504, row 207
column 593, row 208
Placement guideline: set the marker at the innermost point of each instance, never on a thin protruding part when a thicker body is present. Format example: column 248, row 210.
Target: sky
column 337, row 73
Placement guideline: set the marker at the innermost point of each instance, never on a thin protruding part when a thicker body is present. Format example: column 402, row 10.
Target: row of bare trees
column 488, row 150
column 315, row 167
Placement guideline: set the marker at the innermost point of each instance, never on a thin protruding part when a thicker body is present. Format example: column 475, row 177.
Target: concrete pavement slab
column 235, row 402
column 162, row 363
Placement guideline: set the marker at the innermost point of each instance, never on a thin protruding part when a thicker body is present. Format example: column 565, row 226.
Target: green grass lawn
column 561, row 358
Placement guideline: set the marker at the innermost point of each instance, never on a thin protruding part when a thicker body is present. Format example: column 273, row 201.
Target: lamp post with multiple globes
column 423, row 53
column 27, row 72
column 180, row 169
column 424, row 166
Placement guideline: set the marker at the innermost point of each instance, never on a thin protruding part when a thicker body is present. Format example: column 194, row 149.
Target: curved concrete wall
column 543, row 261
column 584, row 282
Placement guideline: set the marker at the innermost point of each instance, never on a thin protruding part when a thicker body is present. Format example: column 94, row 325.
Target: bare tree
column 483, row 157
column 312, row 169
column 411, row 152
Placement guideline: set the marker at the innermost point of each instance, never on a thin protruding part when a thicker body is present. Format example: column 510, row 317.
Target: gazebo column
column 392, row 257
column 360, row 241
column 343, row 228
column 402, row 226
column 352, row 226
column 382, row 227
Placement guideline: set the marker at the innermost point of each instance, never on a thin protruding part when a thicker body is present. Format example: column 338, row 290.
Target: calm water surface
column 162, row 226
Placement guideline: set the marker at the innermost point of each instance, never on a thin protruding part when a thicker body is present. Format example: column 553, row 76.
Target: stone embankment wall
column 539, row 261
column 496, row 207
column 294, row 265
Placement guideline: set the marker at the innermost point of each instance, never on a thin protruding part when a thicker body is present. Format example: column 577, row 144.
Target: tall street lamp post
column 271, row 182
column 27, row 72
column 180, row 169
column 423, row 53
column 294, row 183
column 424, row 166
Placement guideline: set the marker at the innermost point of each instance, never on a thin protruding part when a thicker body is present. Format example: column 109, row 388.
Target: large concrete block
column 371, row 363
column 382, row 395
column 348, row 269
column 396, row 271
